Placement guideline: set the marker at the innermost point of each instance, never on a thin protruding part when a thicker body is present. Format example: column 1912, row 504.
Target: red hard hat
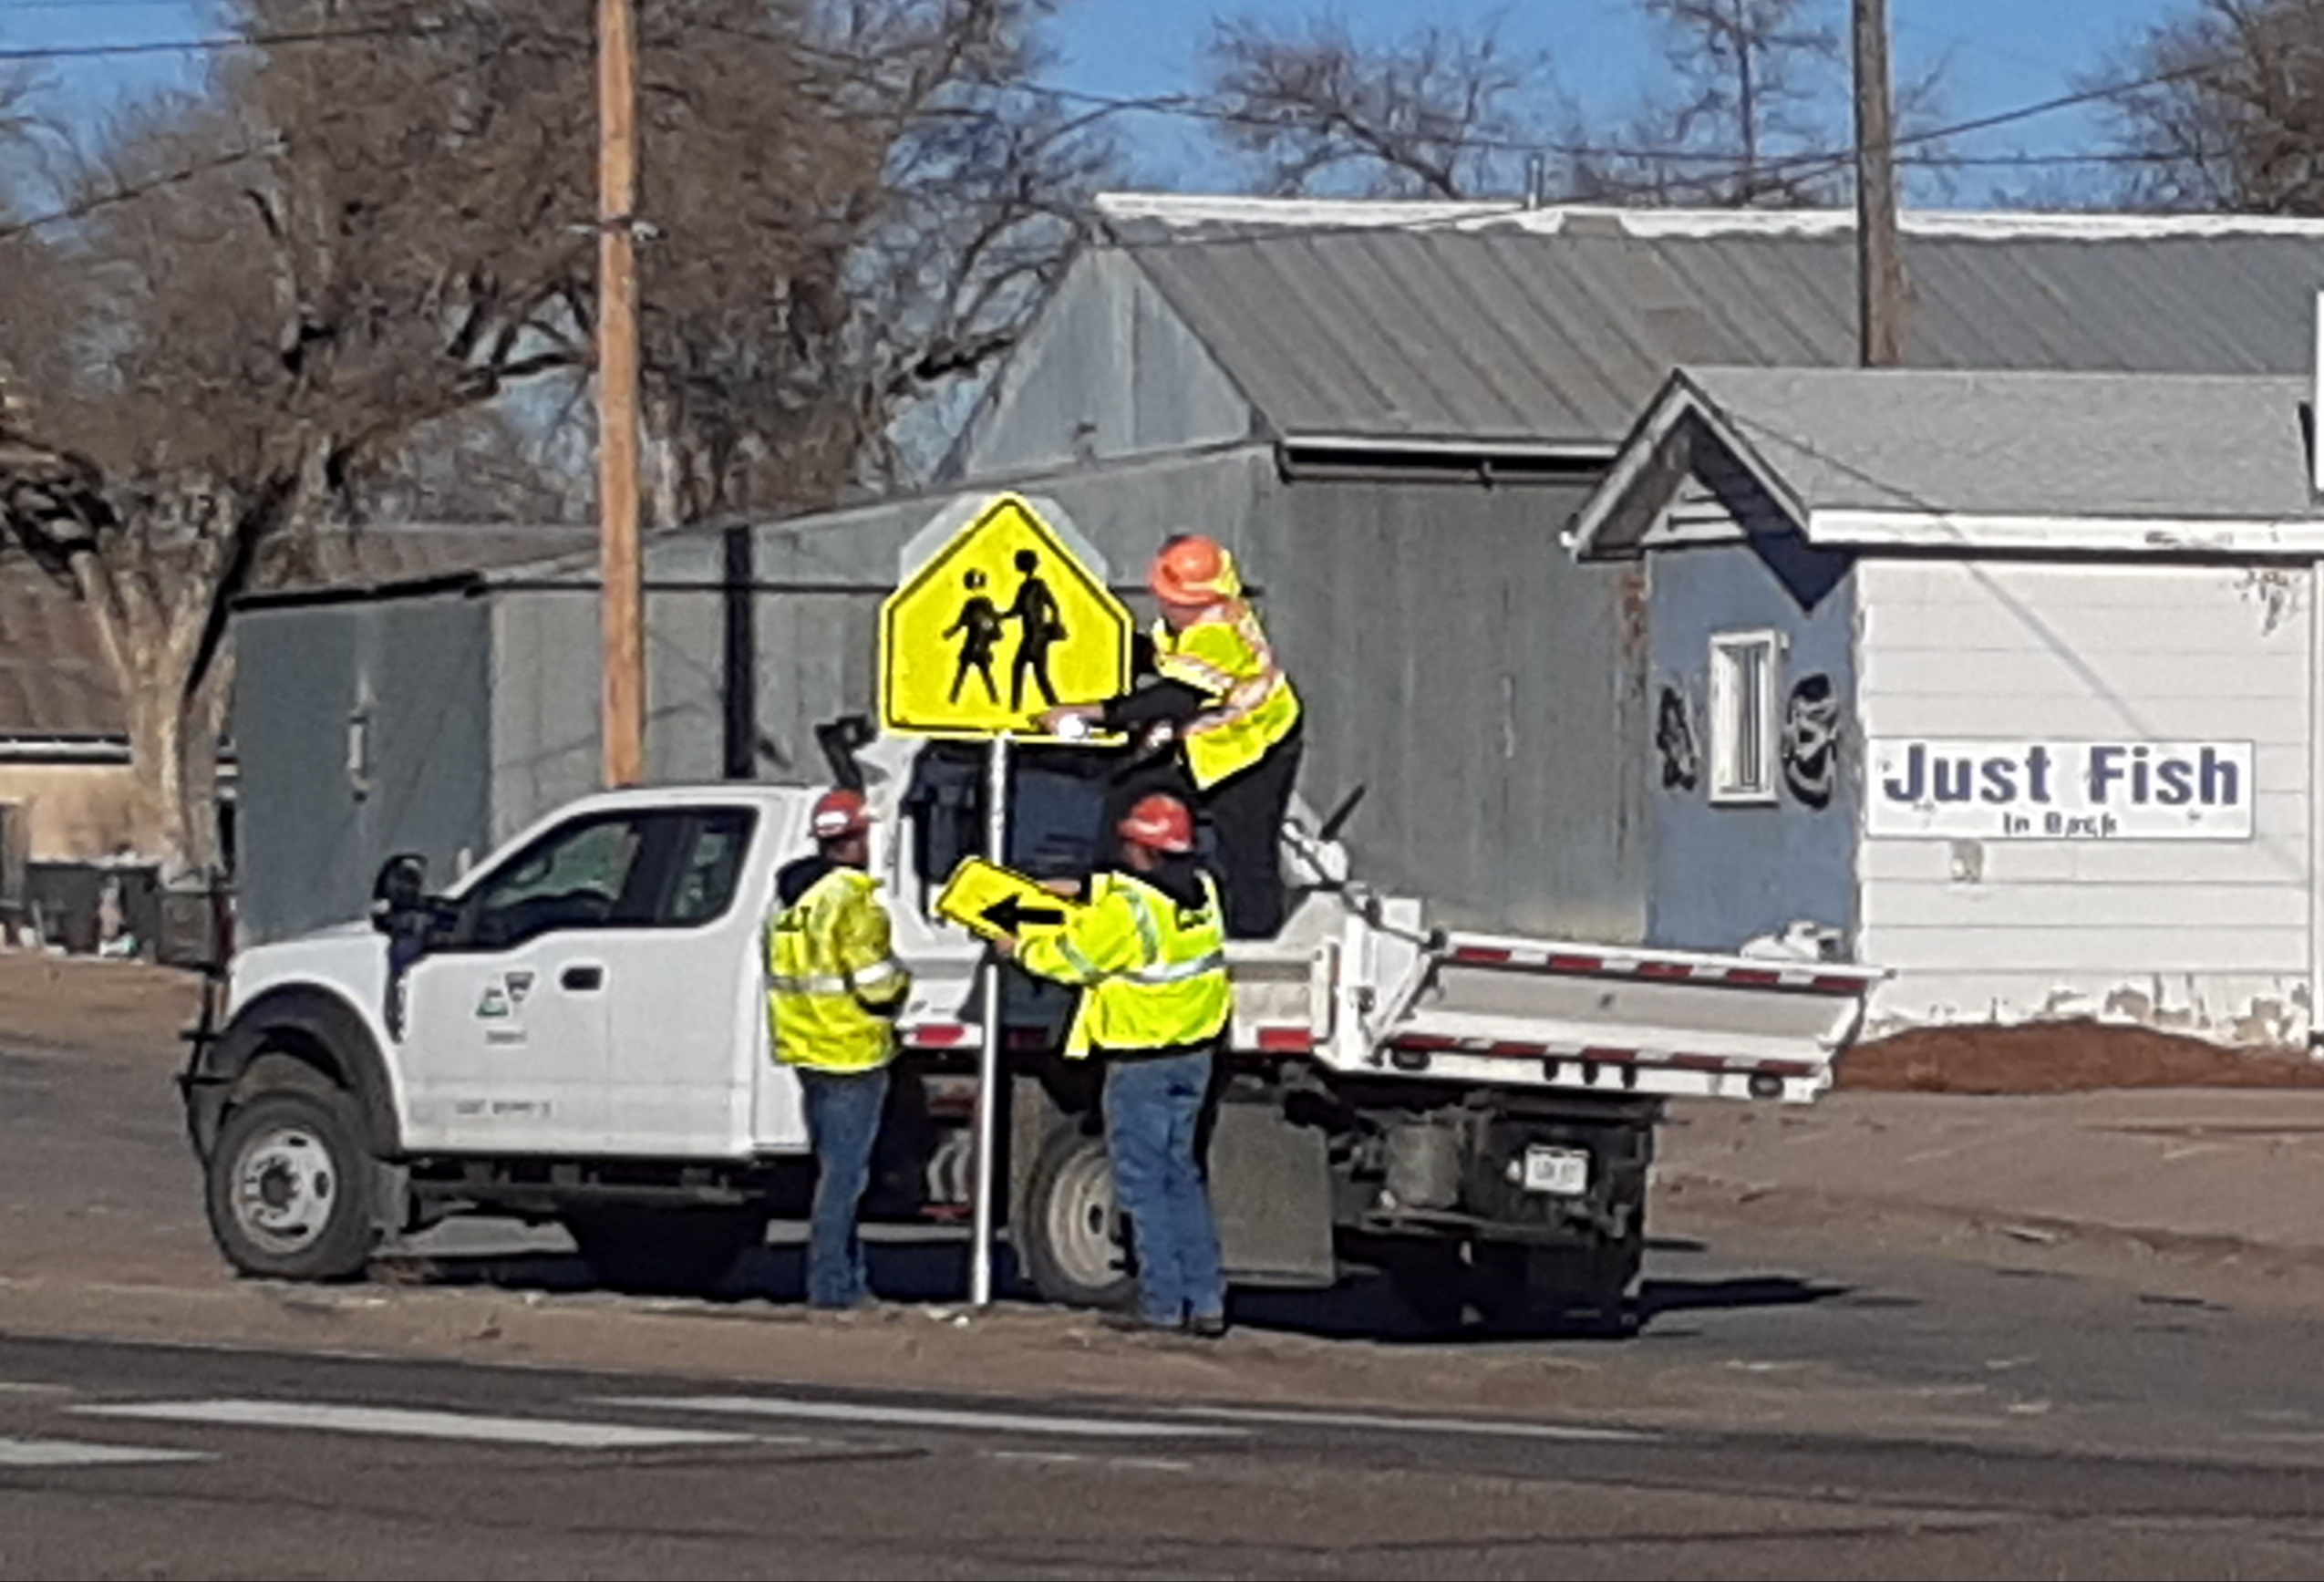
column 840, row 812
column 1193, row 570
column 1160, row 823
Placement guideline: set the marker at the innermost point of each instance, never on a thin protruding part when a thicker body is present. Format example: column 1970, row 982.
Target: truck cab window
column 710, row 867
column 579, row 876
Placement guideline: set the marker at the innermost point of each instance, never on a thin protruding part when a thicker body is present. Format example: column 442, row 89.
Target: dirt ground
column 76, row 1003
column 2064, row 1056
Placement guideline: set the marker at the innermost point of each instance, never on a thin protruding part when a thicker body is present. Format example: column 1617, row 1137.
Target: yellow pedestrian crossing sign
column 1004, row 619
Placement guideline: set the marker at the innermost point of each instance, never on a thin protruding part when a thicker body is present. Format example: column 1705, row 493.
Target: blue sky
column 1999, row 54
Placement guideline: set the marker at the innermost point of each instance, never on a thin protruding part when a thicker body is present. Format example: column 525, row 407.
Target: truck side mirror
column 400, row 889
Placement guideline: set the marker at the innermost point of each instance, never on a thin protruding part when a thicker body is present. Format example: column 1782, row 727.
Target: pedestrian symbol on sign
column 979, row 630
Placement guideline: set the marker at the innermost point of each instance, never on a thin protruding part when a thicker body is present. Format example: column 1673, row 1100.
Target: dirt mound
column 2064, row 1056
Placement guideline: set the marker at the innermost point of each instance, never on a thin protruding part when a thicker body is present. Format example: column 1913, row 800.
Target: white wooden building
column 2004, row 681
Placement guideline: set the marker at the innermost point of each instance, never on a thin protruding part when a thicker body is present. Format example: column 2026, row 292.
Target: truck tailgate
column 1493, row 1007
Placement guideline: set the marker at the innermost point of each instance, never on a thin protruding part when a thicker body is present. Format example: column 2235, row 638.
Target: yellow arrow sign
column 990, row 900
column 1003, row 622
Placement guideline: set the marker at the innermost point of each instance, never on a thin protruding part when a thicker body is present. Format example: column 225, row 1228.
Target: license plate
column 1565, row 1172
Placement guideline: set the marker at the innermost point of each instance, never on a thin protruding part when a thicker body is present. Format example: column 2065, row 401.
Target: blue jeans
column 842, row 1123
column 1153, row 1106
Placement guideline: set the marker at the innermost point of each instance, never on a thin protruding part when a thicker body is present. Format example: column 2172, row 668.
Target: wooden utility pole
column 1880, row 263
column 623, row 595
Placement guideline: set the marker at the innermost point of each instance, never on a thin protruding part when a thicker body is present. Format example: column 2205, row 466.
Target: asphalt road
column 2065, row 1428
column 1804, row 1400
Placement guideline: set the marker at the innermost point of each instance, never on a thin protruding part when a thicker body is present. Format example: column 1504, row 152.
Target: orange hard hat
column 839, row 813
column 1193, row 570
column 1160, row 822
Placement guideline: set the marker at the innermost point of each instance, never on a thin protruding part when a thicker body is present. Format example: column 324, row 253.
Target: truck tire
column 1067, row 1230
column 664, row 1252
column 286, row 1188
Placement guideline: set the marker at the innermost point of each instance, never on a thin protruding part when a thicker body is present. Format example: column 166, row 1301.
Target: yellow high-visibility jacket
column 1153, row 973
column 833, row 983
column 1251, row 704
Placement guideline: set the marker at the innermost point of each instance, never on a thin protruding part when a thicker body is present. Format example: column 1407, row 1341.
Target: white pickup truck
column 576, row 1032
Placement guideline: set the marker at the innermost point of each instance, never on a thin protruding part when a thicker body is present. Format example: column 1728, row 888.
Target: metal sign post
column 1001, row 611
column 990, row 1073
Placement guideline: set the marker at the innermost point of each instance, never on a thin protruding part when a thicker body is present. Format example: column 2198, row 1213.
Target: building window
column 1744, row 688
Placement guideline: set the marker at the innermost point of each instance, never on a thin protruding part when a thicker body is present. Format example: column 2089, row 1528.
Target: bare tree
column 1757, row 115
column 866, row 224
column 353, row 243
column 1440, row 113
column 1755, row 84
column 2233, row 113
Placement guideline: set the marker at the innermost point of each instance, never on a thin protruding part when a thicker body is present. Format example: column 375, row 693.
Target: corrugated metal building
column 1390, row 412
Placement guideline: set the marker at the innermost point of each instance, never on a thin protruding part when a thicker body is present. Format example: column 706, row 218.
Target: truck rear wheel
column 664, row 1252
column 285, row 1187
column 1067, row 1230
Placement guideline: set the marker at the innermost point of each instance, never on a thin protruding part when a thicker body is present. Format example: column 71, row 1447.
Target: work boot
column 1207, row 1326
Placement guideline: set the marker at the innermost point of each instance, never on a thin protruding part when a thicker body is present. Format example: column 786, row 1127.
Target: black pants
column 1245, row 813
column 1243, row 821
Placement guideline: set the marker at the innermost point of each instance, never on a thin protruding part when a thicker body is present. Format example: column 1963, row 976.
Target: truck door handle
column 583, row 979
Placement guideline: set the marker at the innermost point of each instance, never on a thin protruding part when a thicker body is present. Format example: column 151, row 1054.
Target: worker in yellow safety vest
column 1148, row 955
column 1217, row 690
column 833, row 990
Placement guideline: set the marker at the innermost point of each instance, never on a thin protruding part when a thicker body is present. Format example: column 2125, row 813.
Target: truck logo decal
column 495, row 1002
column 520, row 985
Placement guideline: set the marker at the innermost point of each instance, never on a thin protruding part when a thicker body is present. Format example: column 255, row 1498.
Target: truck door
column 689, row 997
column 508, row 1020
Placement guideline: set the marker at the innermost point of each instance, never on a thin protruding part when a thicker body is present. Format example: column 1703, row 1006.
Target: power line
column 134, row 190
column 48, row 52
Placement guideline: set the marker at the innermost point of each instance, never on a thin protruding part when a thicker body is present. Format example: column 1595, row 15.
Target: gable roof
column 1436, row 323
column 2143, row 463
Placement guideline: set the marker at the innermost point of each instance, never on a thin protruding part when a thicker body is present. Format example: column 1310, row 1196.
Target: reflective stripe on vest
column 1178, row 995
column 815, row 993
column 1252, row 706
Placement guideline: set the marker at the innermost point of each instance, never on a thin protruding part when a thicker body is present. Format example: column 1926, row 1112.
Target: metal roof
column 1478, row 323
column 1969, row 461
column 2183, row 448
column 410, row 557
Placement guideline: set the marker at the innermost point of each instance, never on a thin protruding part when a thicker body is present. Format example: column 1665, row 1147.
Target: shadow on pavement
column 933, row 1268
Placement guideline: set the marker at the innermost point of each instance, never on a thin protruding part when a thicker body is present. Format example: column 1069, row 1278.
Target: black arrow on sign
column 1009, row 914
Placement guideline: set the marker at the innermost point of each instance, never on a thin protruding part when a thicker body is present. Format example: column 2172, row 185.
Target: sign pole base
column 990, row 1073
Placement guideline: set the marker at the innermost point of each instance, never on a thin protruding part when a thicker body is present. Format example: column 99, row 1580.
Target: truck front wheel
column 285, row 1187
column 1066, row 1229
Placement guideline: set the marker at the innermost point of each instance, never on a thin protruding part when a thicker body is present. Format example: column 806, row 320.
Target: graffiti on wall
column 1674, row 740
column 1811, row 739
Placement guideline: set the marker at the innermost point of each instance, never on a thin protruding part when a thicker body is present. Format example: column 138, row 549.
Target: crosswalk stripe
column 918, row 1416
column 74, row 1452
column 391, row 1422
column 1486, row 1427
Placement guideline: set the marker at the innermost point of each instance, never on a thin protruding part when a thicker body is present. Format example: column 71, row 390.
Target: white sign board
column 1964, row 788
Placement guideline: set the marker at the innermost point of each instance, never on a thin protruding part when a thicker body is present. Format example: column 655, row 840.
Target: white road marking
column 1483, row 1426
column 73, row 1453
column 17, row 1387
column 915, row 1416
column 1071, row 1458
column 391, row 1422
